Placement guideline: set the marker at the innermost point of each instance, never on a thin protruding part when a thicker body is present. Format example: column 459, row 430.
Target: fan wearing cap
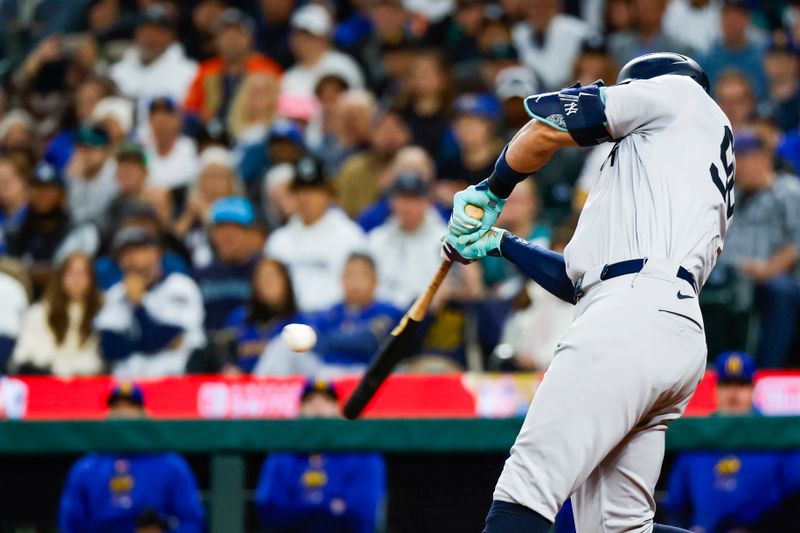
column 150, row 322
column 218, row 79
column 321, row 492
column 46, row 234
column 732, row 491
column 457, row 34
column 143, row 215
column 130, row 492
column 310, row 41
column 737, row 48
column 131, row 176
column 171, row 156
column 782, row 67
column 90, row 172
column 315, row 269
column 405, row 247
column 475, row 130
column 156, row 65
column 764, row 244
column 237, row 243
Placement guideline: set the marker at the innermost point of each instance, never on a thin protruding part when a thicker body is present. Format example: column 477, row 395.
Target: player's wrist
column 504, row 178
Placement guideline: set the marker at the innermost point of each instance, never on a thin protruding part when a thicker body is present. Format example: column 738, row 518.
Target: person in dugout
column 130, row 493
column 737, row 491
column 321, row 492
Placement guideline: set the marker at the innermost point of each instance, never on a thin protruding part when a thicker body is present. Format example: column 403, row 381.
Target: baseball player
column 648, row 237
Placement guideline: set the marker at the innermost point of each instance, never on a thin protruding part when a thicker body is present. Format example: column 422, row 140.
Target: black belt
column 631, row 266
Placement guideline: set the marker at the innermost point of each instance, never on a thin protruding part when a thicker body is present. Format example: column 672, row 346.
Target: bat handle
column 473, row 211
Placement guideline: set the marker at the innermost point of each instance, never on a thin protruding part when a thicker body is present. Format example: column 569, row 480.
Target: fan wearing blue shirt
column 720, row 492
column 350, row 332
column 118, row 492
column 321, row 492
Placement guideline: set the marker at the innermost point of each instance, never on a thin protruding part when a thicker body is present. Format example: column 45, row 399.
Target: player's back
column 666, row 189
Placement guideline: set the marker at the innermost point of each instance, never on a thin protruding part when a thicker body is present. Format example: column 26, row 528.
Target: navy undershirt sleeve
column 545, row 267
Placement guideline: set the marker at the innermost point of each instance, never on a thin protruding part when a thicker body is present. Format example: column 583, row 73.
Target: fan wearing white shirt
column 171, row 156
column 317, row 240
column 310, row 41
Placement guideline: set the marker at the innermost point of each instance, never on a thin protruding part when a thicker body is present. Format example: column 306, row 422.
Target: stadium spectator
column 740, row 491
column 15, row 304
column 594, row 63
column 119, row 492
column 115, row 115
column 351, row 331
column 272, row 30
column 142, row 215
column 316, row 270
column 217, row 180
column 548, row 41
column 328, row 90
column 237, row 243
column 156, row 65
column 352, row 128
column 218, row 79
column 321, row 491
column 498, row 52
column 406, row 246
column 90, row 172
column 14, row 193
column 457, row 36
column 764, row 244
column 253, row 109
column 56, row 336
column 782, row 67
column 511, row 87
column 310, row 42
column 59, row 149
column 693, row 23
column 358, row 181
column 271, row 306
column 647, row 34
column 734, row 94
column 426, row 99
column 736, row 48
column 46, row 233
column 474, row 128
column 132, row 177
column 171, row 156
column 149, row 322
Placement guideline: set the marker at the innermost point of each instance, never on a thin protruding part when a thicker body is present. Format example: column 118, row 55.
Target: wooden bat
column 399, row 343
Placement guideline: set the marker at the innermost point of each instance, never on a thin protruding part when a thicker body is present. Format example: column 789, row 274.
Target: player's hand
column 487, row 245
column 465, row 229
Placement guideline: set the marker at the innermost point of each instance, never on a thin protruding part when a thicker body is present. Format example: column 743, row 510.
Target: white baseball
column 299, row 337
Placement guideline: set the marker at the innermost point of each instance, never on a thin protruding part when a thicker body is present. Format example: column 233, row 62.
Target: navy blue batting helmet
column 651, row 65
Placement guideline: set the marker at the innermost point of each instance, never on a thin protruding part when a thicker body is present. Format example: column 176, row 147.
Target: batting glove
column 466, row 229
column 487, row 245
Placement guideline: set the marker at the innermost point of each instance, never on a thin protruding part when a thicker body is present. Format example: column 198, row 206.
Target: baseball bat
column 399, row 342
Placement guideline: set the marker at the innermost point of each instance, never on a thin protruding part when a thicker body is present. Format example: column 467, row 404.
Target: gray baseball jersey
column 636, row 350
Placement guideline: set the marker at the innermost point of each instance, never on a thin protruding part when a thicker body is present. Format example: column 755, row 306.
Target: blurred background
column 179, row 180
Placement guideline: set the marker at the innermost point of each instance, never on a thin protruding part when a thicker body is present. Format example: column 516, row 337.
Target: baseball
column 299, row 337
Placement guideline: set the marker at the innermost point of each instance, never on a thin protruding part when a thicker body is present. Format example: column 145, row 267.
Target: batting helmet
column 651, row 65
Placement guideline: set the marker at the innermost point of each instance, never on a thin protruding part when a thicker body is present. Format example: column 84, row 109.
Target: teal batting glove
column 465, row 228
column 487, row 245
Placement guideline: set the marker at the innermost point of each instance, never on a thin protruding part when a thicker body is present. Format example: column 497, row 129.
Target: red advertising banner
column 403, row 396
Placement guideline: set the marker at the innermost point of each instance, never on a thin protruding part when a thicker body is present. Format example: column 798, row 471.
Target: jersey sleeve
column 645, row 105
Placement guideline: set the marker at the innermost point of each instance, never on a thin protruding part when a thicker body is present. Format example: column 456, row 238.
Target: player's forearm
column 545, row 267
column 529, row 150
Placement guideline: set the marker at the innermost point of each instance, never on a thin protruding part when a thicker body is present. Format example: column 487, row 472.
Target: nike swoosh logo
column 684, row 296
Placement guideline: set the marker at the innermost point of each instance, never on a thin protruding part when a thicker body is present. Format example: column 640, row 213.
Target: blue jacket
column 105, row 493
column 330, row 493
column 348, row 336
column 720, row 492
column 225, row 286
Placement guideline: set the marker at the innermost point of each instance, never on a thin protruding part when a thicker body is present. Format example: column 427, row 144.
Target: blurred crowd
column 179, row 180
